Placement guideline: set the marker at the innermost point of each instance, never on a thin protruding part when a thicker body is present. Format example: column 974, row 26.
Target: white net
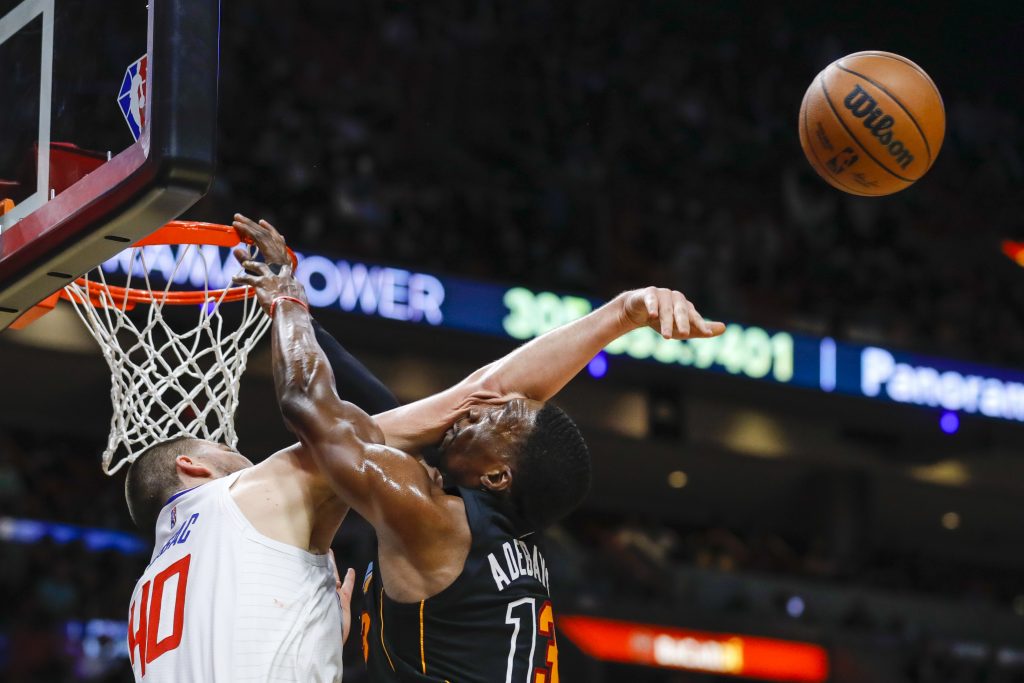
column 175, row 369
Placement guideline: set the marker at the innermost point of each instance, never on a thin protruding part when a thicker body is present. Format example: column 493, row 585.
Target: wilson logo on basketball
column 863, row 106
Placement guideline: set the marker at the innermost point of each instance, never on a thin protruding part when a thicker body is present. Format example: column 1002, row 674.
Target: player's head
column 529, row 452
column 171, row 466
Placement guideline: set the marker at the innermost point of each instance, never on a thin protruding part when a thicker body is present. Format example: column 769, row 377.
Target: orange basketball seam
column 927, row 147
column 828, row 99
column 817, row 161
column 912, row 65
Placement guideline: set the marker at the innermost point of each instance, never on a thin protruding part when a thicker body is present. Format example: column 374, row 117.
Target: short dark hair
column 552, row 472
column 152, row 479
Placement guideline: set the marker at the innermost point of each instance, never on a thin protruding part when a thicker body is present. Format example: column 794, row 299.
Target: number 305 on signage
column 750, row 351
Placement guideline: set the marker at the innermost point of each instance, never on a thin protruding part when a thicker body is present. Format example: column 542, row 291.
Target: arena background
column 579, row 148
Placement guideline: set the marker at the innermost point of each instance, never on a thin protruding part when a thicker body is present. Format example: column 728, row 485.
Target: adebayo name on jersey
column 864, row 106
column 518, row 560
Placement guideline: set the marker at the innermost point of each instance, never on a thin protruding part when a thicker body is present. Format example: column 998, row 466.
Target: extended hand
column 266, row 237
column 268, row 285
column 667, row 312
column 344, row 591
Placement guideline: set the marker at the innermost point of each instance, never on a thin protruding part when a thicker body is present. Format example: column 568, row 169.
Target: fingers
column 348, row 584
column 651, row 302
column 268, row 226
column 247, row 280
column 245, row 225
column 249, row 230
column 257, row 268
column 263, row 228
column 715, row 328
column 344, row 589
column 674, row 317
column 241, row 280
column 666, row 314
column 697, row 322
column 241, row 253
column 680, row 311
column 257, row 231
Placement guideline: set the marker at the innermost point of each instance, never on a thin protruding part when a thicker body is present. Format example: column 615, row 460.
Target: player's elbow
column 345, row 424
column 308, row 401
column 492, row 382
column 346, row 439
column 488, row 380
column 299, row 412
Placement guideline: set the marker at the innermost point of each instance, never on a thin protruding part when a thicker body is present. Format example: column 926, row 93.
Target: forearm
column 303, row 379
column 336, row 435
column 536, row 370
column 417, row 425
column 540, row 369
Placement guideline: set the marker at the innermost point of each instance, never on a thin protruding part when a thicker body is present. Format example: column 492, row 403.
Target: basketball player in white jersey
column 241, row 585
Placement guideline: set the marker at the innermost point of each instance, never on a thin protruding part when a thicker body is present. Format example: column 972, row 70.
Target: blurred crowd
column 637, row 556
column 599, row 145
column 65, row 603
column 50, row 586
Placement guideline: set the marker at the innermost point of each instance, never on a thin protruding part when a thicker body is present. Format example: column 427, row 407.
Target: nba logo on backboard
column 132, row 97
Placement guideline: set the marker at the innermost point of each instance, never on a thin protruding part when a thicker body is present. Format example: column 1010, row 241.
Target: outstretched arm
column 540, row 369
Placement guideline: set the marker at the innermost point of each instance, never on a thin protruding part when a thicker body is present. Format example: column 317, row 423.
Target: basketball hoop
column 170, row 378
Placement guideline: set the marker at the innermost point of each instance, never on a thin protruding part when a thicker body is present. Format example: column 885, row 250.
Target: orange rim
column 175, row 232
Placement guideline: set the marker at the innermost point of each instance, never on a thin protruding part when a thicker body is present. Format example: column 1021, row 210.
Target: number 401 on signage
column 750, row 351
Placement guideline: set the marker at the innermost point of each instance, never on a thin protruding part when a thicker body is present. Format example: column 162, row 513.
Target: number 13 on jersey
column 526, row 622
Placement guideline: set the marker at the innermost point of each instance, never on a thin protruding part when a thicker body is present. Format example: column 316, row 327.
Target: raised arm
column 391, row 489
column 540, row 368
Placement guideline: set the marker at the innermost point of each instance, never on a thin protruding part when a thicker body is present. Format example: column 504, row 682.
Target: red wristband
column 273, row 304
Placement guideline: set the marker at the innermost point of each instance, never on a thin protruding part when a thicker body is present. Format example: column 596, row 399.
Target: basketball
column 872, row 123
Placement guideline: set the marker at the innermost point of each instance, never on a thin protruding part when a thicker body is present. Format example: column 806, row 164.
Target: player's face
column 486, row 437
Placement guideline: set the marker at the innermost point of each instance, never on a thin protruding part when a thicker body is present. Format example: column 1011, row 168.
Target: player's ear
column 499, row 478
column 192, row 468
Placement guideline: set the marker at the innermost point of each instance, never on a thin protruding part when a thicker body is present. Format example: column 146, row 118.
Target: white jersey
column 221, row 602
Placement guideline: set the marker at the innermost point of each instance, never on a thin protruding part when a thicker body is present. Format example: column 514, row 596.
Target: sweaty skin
column 286, row 497
column 281, row 497
column 422, row 531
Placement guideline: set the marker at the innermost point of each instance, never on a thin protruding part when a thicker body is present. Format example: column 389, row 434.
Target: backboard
column 107, row 131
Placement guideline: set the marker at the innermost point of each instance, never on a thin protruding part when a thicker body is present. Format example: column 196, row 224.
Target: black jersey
column 493, row 624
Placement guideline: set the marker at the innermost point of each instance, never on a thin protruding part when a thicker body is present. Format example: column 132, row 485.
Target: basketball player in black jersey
column 460, row 588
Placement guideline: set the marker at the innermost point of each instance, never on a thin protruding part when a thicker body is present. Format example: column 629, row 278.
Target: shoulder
column 291, row 459
column 287, row 499
column 291, row 471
